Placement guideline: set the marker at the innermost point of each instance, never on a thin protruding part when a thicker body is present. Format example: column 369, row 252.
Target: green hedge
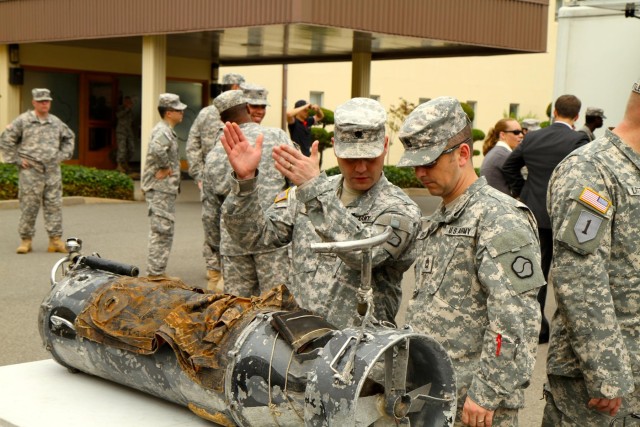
column 402, row 177
column 76, row 181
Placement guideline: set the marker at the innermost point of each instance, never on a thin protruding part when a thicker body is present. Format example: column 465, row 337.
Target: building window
column 513, row 110
column 316, row 98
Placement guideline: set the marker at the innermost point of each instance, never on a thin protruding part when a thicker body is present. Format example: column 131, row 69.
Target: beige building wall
column 492, row 82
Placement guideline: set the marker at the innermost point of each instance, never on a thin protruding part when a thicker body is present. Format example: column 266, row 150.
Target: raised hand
column 294, row 165
column 243, row 157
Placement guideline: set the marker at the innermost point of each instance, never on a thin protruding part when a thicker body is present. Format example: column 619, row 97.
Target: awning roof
column 234, row 32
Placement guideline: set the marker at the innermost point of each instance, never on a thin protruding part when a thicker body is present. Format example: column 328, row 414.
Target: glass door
column 100, row 104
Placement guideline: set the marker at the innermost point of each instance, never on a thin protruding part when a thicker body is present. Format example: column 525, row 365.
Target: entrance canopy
column 243, row 32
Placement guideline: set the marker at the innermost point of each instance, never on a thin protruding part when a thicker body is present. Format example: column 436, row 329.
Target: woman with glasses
column 500, row 141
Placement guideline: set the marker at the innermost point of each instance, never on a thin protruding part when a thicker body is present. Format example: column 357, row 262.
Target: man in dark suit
column 540, row 152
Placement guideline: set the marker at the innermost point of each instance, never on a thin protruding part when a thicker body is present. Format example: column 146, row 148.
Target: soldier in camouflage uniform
column 478, row 269
column 358, row 204
column 124, row 134
column 593, row 362
column 204, row 133
column 37, row 142
column 246, row 271
column 161, row 183
column 256, row 101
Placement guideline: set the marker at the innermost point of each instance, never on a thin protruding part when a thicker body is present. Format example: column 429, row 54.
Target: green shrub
column 76, row 181
column 8, row 181
column 402, row 177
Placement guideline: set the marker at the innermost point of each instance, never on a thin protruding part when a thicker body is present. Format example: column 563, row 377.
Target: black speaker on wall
column 214, row 90
column 16, row 75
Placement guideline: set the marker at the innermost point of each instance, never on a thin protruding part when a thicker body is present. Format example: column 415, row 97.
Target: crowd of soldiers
column 477, row 258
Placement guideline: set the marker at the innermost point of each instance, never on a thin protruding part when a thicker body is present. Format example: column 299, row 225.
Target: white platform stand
column 44, row 393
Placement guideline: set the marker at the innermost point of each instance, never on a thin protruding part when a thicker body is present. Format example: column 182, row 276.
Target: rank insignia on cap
column 283, row 195
column 593, row 199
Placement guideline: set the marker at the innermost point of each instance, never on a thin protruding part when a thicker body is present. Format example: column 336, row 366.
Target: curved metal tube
column 353, row 245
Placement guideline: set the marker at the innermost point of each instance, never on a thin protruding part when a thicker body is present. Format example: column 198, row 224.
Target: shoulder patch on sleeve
column 403, row 229
column 591, row 198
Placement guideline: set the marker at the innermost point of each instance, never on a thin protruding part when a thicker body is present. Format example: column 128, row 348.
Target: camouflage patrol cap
column 232, row 79
column 171, row 101
column 254, row 94
column 596, row 112
column 229, row 99
column 359, row 129
column 430, row 128
column 41, row 94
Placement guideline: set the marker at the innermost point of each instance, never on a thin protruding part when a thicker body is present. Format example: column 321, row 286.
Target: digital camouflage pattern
column 266, row 269
column 162, row 219
column 217, row 182
column 161, row 195
column 430, row 128
column 41, row 94
column 171, row 100
column 229, row 99
column 232, row 79
column 594, row 204
column 327, row 283
column 477, row 276
column 162, row 154
column 254, row 94
column 124, row 135
column 204, row 132
column 359, row 129
column 44, row 144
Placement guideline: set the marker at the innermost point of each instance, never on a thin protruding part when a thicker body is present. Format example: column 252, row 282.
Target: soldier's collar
column 451, row 212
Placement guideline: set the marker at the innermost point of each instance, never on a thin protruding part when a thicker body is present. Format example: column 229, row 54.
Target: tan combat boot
column 215, row 281
column 56, row 245
column 25, row 246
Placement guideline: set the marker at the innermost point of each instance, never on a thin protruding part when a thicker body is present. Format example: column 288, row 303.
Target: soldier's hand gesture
column 243, row 157
column 294, row 165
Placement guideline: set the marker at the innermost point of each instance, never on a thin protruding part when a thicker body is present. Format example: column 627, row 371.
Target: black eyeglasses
column 515, row 132
column 447, row 151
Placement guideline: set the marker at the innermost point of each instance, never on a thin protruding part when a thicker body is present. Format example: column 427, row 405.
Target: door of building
column 98, row 111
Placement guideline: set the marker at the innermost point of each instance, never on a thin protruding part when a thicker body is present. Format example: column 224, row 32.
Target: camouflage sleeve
column 511, row 171
column 67, row 141
column 250, row 225
column 159, row 149
column 333, row 222
column 9, row 141
column 194, row 149
column 509, row 272
column 580, row 275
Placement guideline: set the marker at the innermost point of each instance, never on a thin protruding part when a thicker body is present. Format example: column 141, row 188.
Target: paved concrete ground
column 119, row 231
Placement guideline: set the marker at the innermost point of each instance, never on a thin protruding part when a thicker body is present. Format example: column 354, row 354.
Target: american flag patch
column 593, row 199
column 282, row 195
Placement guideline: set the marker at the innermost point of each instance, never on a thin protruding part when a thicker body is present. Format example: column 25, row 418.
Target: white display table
column 43, row 393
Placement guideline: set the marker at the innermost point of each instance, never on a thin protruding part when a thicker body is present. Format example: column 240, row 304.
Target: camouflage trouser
column 502, row 417
column 566, row 406
column 126, row 149
column 162, row 209
column 36, row 188
column 211, row 223
column 246, row 275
